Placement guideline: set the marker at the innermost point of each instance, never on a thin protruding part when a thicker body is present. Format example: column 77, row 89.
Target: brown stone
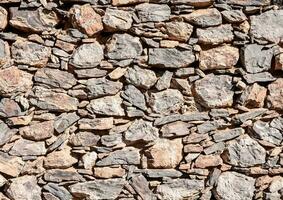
column 108, row 172
column 275, row 97
column 253, row 96
column 126, row 2
column 10, row 165
column 205, row 161
column 180, row 31
column 23, row 147
column 59, row 159
column 3, row 18
column 38, row 131
column 96, row 124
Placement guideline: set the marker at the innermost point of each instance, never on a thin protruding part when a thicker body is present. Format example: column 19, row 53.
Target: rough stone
column 205, row 161
column 58, row 191
column 5, row 133
column 234, row 16
column 247, row 2
column 96, row 123
column 148, row 12
column 10, row 165
column 108, row 172
column 253, row 96
column 65, row 120
column 204, row 17
column 275, row 94
column 38, row 131
column 179, row 31
column 60, row 175
column 224, row 135
column 134, row 96
column 83, row 138
column 117, row 20
column 176, row 129
column 23, row 147
column 59, row 159
column 3, row 18
column 4, row 52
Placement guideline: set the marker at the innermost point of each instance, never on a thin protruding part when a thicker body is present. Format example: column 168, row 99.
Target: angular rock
column 30, row 53
column 125, row 156
column 179, row 31
column 134, row 96
column 275, row 95
column 141, row 131
column 99, row 87
column 117, row 20
column 139, row 77
column 3, row 18
column 55, row 78
column 60, row 175
column 165, row 153
column 96, row 123
column 148, row 12
column 204, row 17
column 251, row 114
column 164, row 81
column 58, row 191
column 65, row 120
column 23, row 147
column 234, row 16
column 13, row 80
column 6, row 133
column 215, row 35
column 37, row 21
column 4, row 52
column 38, row 131
column 53, row 101
column 123, row 46
column 263, row 23
column 87, row 55
column 253, row 96
column 86, row 19
column 98, row 189
column 205, row 161
column 110, row 105
column 228, row 134
column 176, row 129
column 126, row 2
column 214, row 91
column 170, row 57
column 59, row 159
column 90, row 73
column 277, row 123
column 259, row 77
column 221, row 57
column 108, row 172
column 167, row 101
column 159, row 173
column 10, row 165
column 244, row 152
column 248, row 2
column 230, row 185
column 111, row 140
column 89, row 160
column 24, row 188
column 86, row 139
column 141, row 186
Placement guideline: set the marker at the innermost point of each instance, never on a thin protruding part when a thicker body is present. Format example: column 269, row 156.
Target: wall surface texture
column 141, row 100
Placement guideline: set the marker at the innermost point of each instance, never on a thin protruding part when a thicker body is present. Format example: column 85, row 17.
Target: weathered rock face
column 274, row 98
column 117, row 20
column 205, row 17
column 153, row 12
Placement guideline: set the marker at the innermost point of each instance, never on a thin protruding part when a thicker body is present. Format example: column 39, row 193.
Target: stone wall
column 138, row 100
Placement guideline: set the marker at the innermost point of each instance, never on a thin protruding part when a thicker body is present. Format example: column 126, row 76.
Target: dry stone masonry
column 141, row 99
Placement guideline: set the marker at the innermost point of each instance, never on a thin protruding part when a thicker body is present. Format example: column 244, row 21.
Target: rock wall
column 138, row 100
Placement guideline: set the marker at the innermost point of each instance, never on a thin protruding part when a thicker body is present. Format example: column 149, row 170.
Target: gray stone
column 215, row 35
column 4, row 52
column 85, row 139
column 123, row 46
column 30, row 53
column 228, row 134
column 259, row 77
column 90, row 73
column 244, row 152
column 55, row 78
column 164, row 81
column 141, row 131
column 263, row 23
column 214, row 91
column 5, row 133
column 170, row 57
column 60, row 175
column 134, row 96
column 125, row 156
column 210, row 126
column 98, row 189
column 23, row 147
column 141, row 186
column 215, row 148
column 166, row 102
column 277, row 123
column 176, row 129
column 204, row 17
column 10, row 165
column 96, row 123
column 148, row 12
column 87, row 55
column 109, row 105
column 111, row 140
column 263, row 131
column 236, row 186
column 58, row 191
column 234, row 16
column 160, row 173
column 251, row 114
column 99, row 87
column 65, row 120
column 247, row 2
column 139, row 77
column 256, row 58
column 117, row 20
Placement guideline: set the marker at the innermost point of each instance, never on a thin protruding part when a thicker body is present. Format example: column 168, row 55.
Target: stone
column 244, row 152
column 141, row 186
column 5, row 133
column 214, row 91
column 126, row 2
column 3, row 18
column 263, row 131
column 139, row 77
column 96, row 123
column 165, row 153
column 170, row 58
column 215, row 35
column 253, row 96
column 234, row 16
column 149, row 12
column 275, row 94
column 276, row 184
column 123, row 46
column 99, row 87
column 98, row 189
column 221, row 57
column 259, row 77
column 90, row 73
column 10, row 165
column 227, row 134
column 58, row 191
column 83, row 138
column 215, row 148
column 108, row 172
column 109, row 105
column 59, row 159
column 38, row 131
column 3, row 181
column 166, row 102
column 263, row 23
column 117, row 20
column 233, row 185
column 134, row 96
column 55, row 78
column 14, row 80
column 210, row 126
column 159, row 173
column 141, row 131
column 64, row 121
column 4, row 52
column 195, row 3
column 87, row 55
column 180, row 189
column 175, row 129
column 247, row 2
column 180, row 31
column 164, row 81
column 111, row 140
column 30, row 53
column 35, row 21
column 60, row 175
column 277, row 123
column 23, row 147
column 204, row 17
column 251, row 114
column 24, row 188
column 205, row 161
column 89, row 160
column 125, row 156
column 53, row 101
column 256, row 58
column 117, row 73
column 86, row 19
